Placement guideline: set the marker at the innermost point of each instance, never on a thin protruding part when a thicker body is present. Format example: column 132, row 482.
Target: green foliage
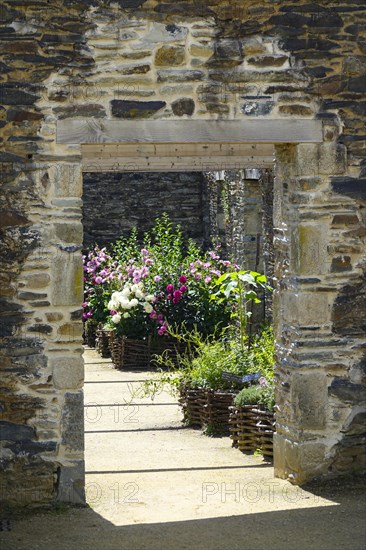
column 262, row 395
column 247, row 396
column 240, row 288
column 261, row 354
column 126, row 248
column 206, row 359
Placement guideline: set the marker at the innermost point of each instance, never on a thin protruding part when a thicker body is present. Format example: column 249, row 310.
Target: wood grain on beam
column 174, row 164
column 74, row 131
column 174, row 150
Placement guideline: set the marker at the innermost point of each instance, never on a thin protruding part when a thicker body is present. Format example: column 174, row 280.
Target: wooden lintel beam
column 78, row 131
column 174, row 164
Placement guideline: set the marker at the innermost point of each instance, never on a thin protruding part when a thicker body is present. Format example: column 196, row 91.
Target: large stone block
column 300, row 462
column 309, row 249
column 69, row 232
column 67, row 372
column 307, row 159
column 169, row 56
column 332, row 159
column 67, row 277
column 309, row 397
column 65, row 178
column 135, row 109
column 72, row 422
column 71, row 482
column 306, row 308
column 165, row 33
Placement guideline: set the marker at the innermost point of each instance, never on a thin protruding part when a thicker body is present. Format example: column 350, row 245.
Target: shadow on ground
column 336, row 526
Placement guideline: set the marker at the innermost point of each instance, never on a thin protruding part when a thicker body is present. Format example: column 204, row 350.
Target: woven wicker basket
column 252, row 428
column 102, row 342
column 90, row 332
column 207, row 409
column 193, row 401
column 129, row 354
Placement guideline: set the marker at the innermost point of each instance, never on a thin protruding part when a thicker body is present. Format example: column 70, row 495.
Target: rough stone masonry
column 192, row 59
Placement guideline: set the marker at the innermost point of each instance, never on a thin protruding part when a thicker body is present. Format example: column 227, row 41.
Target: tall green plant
column 240, row 287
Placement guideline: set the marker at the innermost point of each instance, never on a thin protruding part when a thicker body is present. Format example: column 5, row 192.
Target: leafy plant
column 262, row 395
column 247, row 396
column 240, row 288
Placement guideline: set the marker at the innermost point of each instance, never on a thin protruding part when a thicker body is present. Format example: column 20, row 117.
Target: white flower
column 148, row 307
column 126, row 291
column 116, row 318
column 134, row 302
column 112, row 305
column 139, row 294
column 150, row 298
column 125, row 304
column 126, row 315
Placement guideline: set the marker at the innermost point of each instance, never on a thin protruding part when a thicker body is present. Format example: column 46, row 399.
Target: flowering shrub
column 129, row 309
column 98, row 279
column 167, row 285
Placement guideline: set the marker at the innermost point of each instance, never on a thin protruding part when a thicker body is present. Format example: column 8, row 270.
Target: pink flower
column 144, row 252
column 84, row 304
column 136, row 280
column 183, row 288
column 182, row 279
column 169, row 296
column 162, row 330
column 153, row 315
column 157, row 278
column 207, row 279
column 263, row 381
column 175, row 300
column 177, row 294
column 170, row 288
column 98, row 280
column 160, row 317
column 198, row 276
column 113, row 312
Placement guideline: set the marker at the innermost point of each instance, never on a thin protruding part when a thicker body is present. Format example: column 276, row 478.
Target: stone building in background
column 71, row 68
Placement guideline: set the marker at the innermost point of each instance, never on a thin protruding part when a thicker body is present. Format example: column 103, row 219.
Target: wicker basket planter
column 167, row 346
column 90, row 332
column 102, row 342
column 129, row 354
column 133, row 354
column 193, row 401
column 207, row 409
column 252, row 428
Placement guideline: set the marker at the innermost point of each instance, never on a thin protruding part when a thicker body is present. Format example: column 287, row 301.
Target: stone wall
column 209, row 60
column 114, row 203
